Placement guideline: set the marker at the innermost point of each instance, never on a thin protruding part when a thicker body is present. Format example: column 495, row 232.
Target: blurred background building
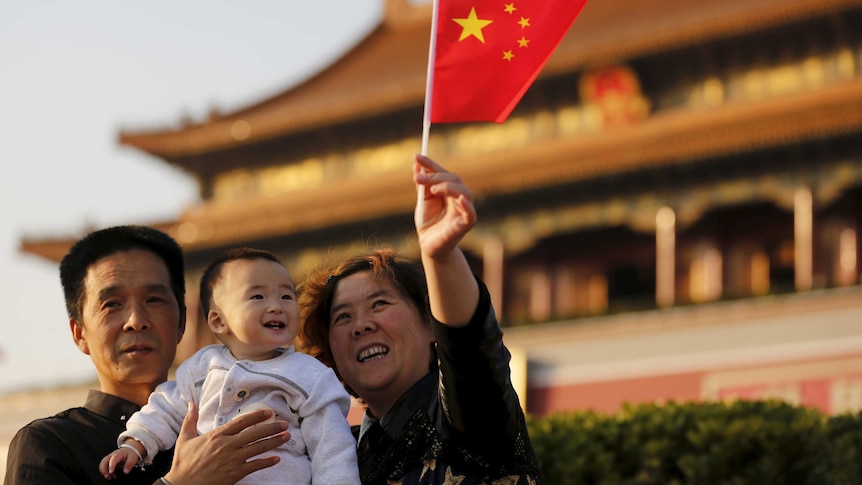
column 672, row 212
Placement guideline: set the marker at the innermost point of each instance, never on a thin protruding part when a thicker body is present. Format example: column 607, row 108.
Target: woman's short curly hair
column 317, row 291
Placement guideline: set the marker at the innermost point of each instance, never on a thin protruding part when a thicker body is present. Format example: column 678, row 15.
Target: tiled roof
column 386, row 70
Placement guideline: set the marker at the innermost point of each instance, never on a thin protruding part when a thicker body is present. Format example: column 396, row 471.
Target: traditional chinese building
column 671, row 212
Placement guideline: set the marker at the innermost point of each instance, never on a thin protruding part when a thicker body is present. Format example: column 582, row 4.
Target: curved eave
column 50, row 249
column 54, row 248
column 364, row 82
column 386, row 71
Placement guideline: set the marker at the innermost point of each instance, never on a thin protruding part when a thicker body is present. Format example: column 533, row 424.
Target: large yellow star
column 472, row 25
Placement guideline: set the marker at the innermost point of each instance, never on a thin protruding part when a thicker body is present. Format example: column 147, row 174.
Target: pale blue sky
column 71, row 75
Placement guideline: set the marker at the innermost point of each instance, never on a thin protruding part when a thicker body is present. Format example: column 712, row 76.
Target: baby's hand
column 125, row 457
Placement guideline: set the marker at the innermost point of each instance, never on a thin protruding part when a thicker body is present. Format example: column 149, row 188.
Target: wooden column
column 847, row 258
column 195, row 327
column 493, row 255
column 665, row 256
column 803, row 240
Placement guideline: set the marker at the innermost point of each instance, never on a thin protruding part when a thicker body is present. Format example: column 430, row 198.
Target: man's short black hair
column 105, row 242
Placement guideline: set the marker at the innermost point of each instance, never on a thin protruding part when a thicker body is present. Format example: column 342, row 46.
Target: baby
column 249, row 302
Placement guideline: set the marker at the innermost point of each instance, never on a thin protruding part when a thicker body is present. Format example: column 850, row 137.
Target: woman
column 384, row 327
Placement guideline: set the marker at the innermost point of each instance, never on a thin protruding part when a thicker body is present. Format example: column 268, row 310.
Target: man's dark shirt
column 67, row 448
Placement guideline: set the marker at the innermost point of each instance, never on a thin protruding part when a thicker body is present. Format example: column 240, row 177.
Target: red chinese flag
column 488, row 52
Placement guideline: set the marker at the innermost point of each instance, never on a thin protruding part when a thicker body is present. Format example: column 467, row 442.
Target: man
column 125, row 296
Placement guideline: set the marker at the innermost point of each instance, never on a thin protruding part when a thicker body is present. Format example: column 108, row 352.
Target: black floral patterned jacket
column 460, row 424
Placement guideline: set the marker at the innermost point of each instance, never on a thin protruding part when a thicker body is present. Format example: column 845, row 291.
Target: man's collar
column 111, row 407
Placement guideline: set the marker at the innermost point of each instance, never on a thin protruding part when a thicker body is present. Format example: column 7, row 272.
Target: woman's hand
column 444, row 210
column 444, row 214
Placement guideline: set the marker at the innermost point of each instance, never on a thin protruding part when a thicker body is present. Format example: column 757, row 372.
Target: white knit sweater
column 298, row 388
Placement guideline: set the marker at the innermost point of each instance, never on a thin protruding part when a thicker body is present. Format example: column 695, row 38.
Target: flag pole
column 429, row 80
column 429, row 86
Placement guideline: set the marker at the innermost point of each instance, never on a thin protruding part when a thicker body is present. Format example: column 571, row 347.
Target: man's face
column 131, row 322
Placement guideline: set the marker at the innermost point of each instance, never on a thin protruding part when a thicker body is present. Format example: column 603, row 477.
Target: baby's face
column 256, row 305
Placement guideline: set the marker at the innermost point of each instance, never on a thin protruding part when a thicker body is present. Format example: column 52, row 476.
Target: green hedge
column 741, row 442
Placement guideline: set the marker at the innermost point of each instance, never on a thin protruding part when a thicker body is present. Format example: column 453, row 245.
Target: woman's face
column 379, row 342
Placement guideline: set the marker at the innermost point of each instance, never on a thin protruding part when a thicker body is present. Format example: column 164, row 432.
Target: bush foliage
column 740, row 442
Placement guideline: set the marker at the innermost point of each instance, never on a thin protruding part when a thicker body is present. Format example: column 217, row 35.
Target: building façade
column 672, row 212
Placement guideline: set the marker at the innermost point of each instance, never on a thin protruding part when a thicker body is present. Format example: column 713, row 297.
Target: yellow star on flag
column 524, row 22
column 523, row 41
column 510, row 8
column 507, row 56
column 472, row 25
